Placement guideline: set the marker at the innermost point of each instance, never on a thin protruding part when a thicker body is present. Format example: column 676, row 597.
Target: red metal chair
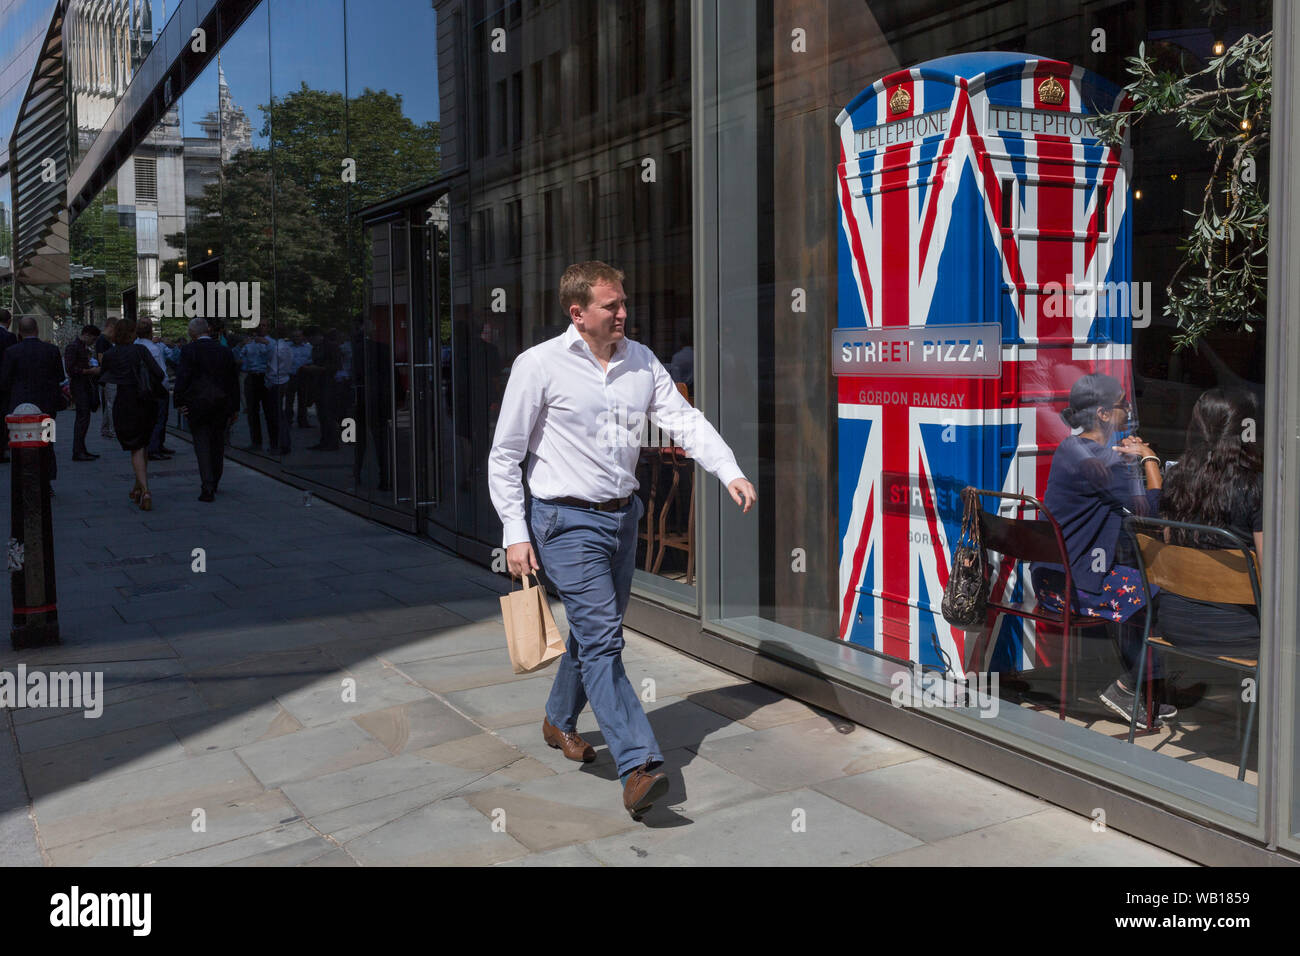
column 1030, row 540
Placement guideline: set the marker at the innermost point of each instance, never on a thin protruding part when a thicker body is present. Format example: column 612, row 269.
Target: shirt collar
column 573, row 339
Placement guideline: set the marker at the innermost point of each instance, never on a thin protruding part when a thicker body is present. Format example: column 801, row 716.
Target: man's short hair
column 5, row 317
column 198, row 326
column 144, row 327
column 576, row 283
column 27, row 326
column 90, row 330
column 124, row 332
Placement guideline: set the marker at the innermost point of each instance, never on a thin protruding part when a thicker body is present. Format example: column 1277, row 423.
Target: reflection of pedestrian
column 254, row 356
column 102, row 345
column 300, row 358
column 134, row 413
column 584, row 513
column 83, row 382
column 207, row 391
column 327, row 363
column 278, row 362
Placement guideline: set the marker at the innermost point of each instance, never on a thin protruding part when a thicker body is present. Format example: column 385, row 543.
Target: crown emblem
column 900, row 102
column 1051, row 92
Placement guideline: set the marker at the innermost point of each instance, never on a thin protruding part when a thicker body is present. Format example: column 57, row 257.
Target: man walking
column 102, row 345
column 568, row 405
column 207, row 391
column 32, row 371
column 83, row 380
column 254, row 357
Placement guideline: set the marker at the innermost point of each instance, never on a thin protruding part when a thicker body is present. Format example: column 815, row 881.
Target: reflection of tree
column 98, row 241
column 319, row 266
column 306, row 130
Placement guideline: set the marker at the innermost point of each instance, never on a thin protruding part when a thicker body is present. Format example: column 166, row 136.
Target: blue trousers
column 589, row 556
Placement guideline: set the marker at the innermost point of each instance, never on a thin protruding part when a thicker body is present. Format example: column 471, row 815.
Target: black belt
column 614, row 505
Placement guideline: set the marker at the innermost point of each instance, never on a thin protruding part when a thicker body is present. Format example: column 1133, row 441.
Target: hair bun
column 1067, row 416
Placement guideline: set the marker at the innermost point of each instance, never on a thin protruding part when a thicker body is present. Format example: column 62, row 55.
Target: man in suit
column 207, row 392
column 32, row 371
column 84, row 378
column 7, row 339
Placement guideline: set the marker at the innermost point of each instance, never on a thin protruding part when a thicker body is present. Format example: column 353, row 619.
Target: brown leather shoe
column 574, row 747
column 642, row 789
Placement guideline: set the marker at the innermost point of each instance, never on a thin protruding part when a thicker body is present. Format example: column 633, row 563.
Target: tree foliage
column 285, row 215
column 1226, row 105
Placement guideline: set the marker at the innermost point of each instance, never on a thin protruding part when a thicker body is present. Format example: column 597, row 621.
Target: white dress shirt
column 582, row 425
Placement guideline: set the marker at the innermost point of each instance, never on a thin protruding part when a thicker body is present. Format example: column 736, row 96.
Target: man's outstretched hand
column 743, row 494
column 520, row 559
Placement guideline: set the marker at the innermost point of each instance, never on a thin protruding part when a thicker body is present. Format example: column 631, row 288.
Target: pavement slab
column 330, row 692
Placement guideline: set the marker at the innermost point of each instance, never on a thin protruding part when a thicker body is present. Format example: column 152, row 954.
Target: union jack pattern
column 968, row 222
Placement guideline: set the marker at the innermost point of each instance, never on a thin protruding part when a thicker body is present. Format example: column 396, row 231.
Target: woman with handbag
column 132, row 368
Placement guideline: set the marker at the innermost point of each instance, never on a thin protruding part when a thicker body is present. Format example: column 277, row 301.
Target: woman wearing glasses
column 1097, row 478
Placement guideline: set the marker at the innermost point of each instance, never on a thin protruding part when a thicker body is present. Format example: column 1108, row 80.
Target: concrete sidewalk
column 329, row 692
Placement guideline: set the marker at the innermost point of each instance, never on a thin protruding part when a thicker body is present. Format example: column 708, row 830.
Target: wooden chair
column 1032, row 540
column 677, row 461
column 1225, row 575
column 654, row 457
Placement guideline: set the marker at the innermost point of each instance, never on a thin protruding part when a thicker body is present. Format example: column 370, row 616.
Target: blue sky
column 391, row 45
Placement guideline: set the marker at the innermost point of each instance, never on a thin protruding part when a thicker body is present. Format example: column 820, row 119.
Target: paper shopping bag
column 531, row 635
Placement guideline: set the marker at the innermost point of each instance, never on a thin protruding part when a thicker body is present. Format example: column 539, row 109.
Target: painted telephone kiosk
column 984, row 265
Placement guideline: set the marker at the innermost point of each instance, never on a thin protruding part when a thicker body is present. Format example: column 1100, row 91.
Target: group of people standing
column 309, row 367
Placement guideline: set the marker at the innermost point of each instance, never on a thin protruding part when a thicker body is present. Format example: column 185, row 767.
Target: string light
column 1137, row 194
column 1218, row 48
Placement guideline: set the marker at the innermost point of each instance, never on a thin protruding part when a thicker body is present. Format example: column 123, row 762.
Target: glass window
column 991, row 260
column 606, row 168
column 248, row 236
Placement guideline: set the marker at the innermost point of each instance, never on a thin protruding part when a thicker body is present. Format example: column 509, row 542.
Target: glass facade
column 874, row 202
column 792, row 190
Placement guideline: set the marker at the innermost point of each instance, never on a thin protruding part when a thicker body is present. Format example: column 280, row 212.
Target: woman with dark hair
column 1219, row 482
column 134, row 414
column 1093, row 484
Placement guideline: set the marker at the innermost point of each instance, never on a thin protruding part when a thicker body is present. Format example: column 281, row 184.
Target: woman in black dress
column 134, row 414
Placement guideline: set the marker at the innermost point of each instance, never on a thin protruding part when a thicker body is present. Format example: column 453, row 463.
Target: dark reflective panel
column 244, row 254
column 314, row 303
column 393, row 145
column 576, row 135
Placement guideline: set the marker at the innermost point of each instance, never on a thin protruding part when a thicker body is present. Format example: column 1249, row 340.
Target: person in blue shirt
column 1096, row 480
column 254, row 357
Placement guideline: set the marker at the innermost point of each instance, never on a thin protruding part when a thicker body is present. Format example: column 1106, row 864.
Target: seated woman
column 1219, row 482
column 1093, row 484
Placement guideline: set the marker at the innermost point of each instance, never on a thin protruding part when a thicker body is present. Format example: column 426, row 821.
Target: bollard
column 31, row 540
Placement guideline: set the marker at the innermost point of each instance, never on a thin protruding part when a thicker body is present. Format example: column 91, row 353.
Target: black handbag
column 147, row 385
column 965, row 596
